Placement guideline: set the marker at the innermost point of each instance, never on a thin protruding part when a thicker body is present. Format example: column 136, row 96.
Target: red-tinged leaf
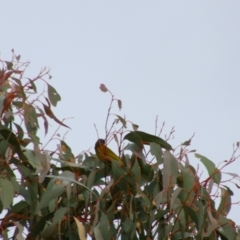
column 103, row 88
column 49, row 112
column 7, row 101
column 49, row 104
column 5, row 76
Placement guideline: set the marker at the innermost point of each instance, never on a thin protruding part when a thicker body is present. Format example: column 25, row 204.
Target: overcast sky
column 178, row 60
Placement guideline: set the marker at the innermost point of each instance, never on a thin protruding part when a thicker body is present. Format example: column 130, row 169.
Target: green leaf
column 53, row 95
column 97, row 233
column 90, row 182
column 39, row 226
column 58, row 215
column 136, row 171
column 104, row 227
column 33, row 159
column 9, row 65
column 11, row 138
column 127, row 225
column 124, row 179
column 226, row 202
column 140, row 138
column 190, row 211
column 54, row 189
column 20, row 207
column 211, row 168
column 20, row 132
column 156, row 151
column 188, row 179
column 33, row 85
column 2, row 98
column 68, row 156
column 226, row 228
column 174, row 197
column 31, row 122
column 6, row 192
column 170, row 170
column 179, row 236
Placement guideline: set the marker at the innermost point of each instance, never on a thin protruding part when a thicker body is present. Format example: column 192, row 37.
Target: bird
column 104, row 153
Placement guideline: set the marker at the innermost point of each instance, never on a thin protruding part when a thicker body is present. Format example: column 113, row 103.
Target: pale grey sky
column 175, row 59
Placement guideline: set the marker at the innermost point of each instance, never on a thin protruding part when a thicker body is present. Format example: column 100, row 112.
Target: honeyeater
column 104, row 153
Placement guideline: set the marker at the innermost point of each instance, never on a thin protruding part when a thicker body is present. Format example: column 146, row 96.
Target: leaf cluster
column 152, row 193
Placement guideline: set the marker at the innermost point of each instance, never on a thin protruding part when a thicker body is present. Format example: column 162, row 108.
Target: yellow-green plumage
column 104, row 153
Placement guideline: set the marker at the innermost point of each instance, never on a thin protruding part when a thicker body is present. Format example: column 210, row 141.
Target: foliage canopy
column 153, row 193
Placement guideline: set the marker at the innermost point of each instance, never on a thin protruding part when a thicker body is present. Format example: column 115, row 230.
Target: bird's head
column 99, row 142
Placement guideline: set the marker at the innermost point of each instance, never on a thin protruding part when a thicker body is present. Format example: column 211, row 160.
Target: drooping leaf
column 50, row 114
